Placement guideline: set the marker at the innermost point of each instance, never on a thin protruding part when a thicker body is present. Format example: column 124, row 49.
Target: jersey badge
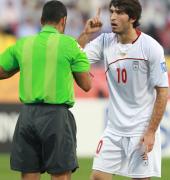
column 145, row 162
column 135, row 65
column 163, row 67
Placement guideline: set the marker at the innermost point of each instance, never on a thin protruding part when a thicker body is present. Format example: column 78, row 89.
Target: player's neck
column 128, row 37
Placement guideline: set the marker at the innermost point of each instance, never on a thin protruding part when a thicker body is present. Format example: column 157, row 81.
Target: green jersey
column 46, row 62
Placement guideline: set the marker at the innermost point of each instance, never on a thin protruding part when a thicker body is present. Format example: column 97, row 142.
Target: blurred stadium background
column 19, row 18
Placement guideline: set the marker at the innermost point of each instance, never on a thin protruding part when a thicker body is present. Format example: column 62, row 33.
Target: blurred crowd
column 20, row 18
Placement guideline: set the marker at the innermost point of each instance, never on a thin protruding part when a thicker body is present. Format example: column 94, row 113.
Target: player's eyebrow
column 117, row 10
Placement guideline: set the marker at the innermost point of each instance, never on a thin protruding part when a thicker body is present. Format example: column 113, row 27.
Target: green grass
column 82, row 173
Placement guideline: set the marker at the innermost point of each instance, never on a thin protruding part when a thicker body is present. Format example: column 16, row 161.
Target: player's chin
column 115, row 30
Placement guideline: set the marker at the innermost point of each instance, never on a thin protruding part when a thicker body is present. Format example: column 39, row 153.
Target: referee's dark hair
column 53, row 11
column 131, row 7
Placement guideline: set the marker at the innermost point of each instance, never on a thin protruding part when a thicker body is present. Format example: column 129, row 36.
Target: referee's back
column 48, row 62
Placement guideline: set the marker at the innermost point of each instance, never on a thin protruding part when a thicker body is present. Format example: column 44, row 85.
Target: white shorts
column 123, row 156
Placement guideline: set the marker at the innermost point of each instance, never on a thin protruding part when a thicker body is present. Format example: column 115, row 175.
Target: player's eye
column 111, row 11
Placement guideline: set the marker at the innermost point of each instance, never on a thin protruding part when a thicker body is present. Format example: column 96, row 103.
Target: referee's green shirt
column 46, row 62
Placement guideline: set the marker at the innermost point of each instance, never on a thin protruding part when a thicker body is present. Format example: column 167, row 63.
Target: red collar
column 138, row 32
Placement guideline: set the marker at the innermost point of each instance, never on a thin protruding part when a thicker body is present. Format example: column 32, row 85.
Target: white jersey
column 132, row 71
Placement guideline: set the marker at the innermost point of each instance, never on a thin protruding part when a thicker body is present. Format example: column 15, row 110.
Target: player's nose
column 113, row 16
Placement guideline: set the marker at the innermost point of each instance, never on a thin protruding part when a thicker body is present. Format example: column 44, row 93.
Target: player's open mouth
column 114, row 25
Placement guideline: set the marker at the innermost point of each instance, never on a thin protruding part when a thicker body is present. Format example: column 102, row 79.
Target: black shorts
column 44, row 140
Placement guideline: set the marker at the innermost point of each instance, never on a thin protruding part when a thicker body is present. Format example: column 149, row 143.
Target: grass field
column 81, row 174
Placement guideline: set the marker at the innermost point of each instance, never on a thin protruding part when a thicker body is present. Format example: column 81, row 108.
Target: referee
column 45, row 134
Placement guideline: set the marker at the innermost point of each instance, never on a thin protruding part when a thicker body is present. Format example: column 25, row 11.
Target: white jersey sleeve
column 157, row 65
column 94, row 49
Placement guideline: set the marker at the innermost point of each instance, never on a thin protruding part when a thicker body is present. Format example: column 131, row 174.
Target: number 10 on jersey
column 121, row 75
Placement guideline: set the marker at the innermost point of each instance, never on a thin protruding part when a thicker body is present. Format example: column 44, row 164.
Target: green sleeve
column 7, row 59
column 79, row 61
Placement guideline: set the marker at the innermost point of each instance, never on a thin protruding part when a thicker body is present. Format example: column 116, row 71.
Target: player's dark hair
column 53, row 11
column 131, row 7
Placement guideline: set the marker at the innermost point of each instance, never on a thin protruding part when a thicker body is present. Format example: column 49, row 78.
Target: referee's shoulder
column 25, row 38
column 67, row 38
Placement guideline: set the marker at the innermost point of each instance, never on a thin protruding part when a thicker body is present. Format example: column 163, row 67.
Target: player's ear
column 132, row 20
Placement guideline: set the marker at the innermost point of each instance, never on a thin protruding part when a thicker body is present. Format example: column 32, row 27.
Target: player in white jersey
column 138, row 88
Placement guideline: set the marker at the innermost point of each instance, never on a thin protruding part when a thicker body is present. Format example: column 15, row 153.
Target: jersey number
column 121, row 75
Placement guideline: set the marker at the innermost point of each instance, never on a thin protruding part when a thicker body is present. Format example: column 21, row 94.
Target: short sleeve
column 7, row 60
column 158, row 70
column 94, row 49
column 79, row 62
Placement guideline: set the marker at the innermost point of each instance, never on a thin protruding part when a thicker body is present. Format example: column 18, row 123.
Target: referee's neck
column 60, row 26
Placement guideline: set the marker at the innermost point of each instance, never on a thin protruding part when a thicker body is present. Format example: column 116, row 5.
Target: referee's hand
column 94, row 24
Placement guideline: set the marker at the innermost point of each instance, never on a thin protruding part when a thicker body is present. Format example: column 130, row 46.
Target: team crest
column 135, row 65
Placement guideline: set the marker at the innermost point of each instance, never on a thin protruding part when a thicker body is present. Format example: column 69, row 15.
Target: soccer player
column 138, row 86
column 45, row 133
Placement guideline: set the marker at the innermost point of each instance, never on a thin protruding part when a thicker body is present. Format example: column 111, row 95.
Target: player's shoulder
column 150, row 47
column 149, row 42
column 107, row 35
column 106, row 38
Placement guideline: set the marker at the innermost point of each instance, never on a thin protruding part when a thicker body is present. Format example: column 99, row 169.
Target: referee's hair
column 53, row 11
column 131, row 7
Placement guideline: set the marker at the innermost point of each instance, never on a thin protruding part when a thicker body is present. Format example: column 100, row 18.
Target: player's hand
column 94, row 24
column 147, row 141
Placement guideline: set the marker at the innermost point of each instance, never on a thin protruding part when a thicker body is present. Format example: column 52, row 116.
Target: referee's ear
column 61, row 25
column 42, row 22
column 63, row 22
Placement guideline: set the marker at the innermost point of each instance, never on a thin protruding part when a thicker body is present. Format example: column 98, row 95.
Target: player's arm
column 7, row 74
column 83, row 80
column 92, row 26
column 159, row 108
column 159, row 81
